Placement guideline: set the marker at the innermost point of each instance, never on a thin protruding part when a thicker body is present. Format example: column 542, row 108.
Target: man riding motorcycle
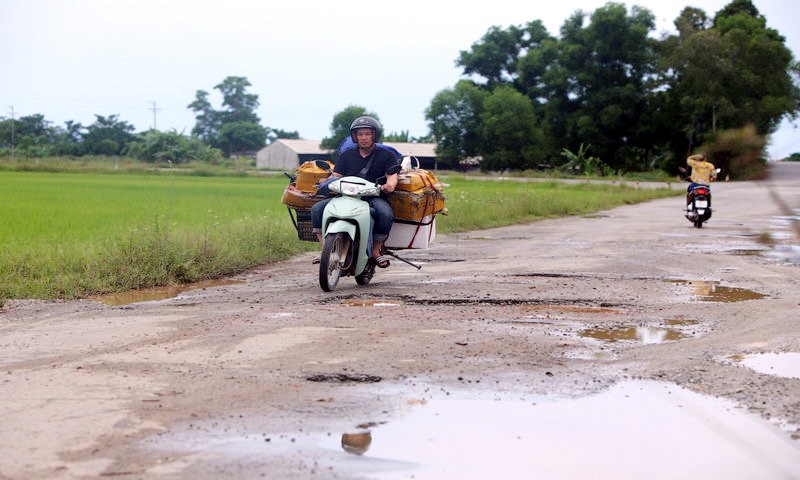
column 703, row 173
column 367, row 162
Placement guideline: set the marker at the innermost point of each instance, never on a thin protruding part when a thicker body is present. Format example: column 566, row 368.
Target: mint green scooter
column 347, row 231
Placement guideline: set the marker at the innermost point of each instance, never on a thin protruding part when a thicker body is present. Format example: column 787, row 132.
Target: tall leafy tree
column 454, row 119
column 241, row 136
column 510, row 136
column 603, row 94
column 107, row 135
column 496, row 57
column 276, row 133
column 235, row 127
column 725, row 75
column 207, row 120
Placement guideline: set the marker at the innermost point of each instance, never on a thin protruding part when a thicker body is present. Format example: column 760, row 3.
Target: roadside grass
column 476, row 204
column 72, row 235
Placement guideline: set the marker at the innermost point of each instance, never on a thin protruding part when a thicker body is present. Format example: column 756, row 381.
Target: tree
column 496, row 56
column 274, row 134
column 454, row 119
column 510, row 137
column 107, row 135
column 234, row 128
column 207, row 120
column 340, row 126
column 162, row 147
column 241, row 136
column 725, row 75
column 602, row 96
column 401, row 136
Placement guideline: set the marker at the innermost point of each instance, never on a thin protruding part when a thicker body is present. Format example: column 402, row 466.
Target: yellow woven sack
column 414, row 206
column 418, row 194
column 417, row 180
column 309, row 175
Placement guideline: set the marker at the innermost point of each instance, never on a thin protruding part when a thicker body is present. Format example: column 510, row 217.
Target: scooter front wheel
column 334, row 250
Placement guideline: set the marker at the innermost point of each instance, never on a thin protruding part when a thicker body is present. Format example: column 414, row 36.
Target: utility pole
column 154, row 109
column 13, row 137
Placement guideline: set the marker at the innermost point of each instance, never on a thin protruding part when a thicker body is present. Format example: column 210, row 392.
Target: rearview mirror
column 393, row 169
column 322, row 164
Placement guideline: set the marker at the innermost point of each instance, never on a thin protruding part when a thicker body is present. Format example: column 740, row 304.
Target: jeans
column 381, row 211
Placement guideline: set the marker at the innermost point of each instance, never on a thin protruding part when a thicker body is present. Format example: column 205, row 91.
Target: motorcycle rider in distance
column 367, row 162
column 703, row 173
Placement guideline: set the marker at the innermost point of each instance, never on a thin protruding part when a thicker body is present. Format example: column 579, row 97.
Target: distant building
column 424, row 152
column 288, row 154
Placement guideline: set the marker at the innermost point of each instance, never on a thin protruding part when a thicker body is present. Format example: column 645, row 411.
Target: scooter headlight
column 349, row 188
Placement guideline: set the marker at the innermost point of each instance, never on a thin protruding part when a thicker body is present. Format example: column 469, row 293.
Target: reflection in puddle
column 639, row 429
column 714, row 292
column 158, row 293
column 368, row 302
column 786, row 253
column 356, row 443
column 636, row 429
column 645, row 335
column 780, row 364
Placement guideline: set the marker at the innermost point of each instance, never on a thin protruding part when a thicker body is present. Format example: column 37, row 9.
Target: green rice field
column 70, row 235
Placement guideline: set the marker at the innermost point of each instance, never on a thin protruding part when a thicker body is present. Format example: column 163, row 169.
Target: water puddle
column 708, row 291
column 746, row 252
column 644, row 335
column 786, row 253
column 636, row 429
column 157, row 293
column 780, row 364
column 369, row 302
column 681, row 322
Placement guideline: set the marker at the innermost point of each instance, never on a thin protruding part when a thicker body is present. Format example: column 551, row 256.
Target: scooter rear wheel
column 334, row 250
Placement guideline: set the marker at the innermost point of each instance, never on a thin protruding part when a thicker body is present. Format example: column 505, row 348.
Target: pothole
column 709, row 291
column 641, row 334
column 344, row 378
column 583, row 303
column 786, row 364
column 158, row 293
column 635, row 429
column 369, row 302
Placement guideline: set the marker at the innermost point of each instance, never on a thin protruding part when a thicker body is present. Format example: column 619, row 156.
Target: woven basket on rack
column 301, row 219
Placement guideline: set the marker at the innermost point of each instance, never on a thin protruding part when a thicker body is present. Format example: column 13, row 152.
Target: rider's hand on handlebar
column 390, row 185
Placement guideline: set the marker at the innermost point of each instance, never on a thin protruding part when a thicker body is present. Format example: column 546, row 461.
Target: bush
column 739, row 153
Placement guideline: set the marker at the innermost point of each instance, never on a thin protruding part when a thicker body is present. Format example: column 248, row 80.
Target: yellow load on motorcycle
column 308, row 175
column 302, row 192
column 419, row 193
column 296, row 198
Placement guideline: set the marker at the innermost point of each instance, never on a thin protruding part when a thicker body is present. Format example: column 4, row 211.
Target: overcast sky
column 144, row 60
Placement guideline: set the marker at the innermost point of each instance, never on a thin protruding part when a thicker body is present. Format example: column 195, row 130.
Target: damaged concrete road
column 248, row 378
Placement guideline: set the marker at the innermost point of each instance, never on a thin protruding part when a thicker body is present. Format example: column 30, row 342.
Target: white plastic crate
column 408, row 234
